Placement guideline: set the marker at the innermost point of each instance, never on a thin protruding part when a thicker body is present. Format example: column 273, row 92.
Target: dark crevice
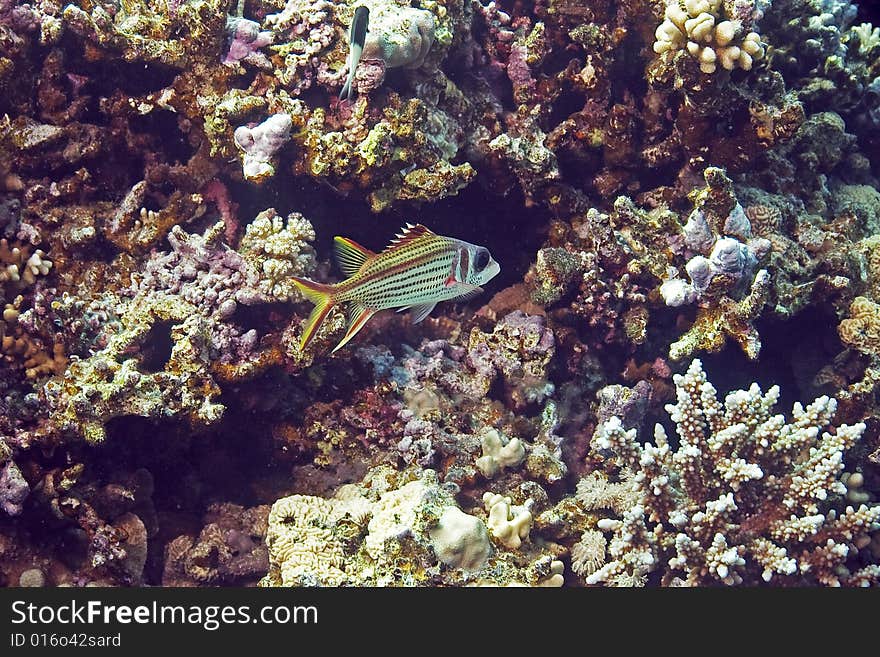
column 156, row 349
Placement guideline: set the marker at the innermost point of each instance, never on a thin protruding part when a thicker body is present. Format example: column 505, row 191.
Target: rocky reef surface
column 673, row 382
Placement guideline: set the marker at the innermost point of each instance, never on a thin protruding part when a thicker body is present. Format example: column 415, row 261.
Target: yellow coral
column 279, row 251
column 862, row 329
column 697, row 26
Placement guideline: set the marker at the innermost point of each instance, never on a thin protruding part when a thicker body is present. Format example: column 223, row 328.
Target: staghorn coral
column 745, row 497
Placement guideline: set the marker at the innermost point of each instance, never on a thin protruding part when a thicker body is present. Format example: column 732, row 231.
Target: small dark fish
column 357, row 34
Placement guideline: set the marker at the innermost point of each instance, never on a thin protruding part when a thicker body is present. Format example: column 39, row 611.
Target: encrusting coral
column 392, row 529
column 745, row 497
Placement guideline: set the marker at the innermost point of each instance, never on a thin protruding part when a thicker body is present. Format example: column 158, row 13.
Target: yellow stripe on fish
column 416, row 271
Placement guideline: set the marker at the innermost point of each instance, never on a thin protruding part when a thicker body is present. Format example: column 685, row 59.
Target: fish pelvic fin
column 350, row 255
column 358, row 316
column 419, row 312
column 320, row 295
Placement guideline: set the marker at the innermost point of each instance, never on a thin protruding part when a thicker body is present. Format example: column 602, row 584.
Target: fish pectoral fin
column 358, row 316
column 419, row 311
column 468, row 292
column 402, row 308
column 350, row 255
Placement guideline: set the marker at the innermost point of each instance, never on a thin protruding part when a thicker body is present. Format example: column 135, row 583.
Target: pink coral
column 246, row 39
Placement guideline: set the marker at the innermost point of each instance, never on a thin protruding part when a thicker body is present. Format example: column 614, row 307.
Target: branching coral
column 279, row 250
column 745, row 497
column 696, row 26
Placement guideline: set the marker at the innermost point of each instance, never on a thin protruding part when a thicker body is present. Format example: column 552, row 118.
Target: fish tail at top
column 319, row 294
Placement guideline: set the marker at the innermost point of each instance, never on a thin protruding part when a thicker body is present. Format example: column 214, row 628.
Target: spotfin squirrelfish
column 357, row 34
column 416, row 271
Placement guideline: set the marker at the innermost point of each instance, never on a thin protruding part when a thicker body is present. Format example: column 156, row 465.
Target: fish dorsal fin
column 410, row 234
column 350, row 255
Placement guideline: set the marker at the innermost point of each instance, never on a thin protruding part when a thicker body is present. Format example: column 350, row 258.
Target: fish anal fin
column 350, row 255
column 468, row 292
column 409, row 234
column 419, row 311
column 358, row 316
column 313, row 323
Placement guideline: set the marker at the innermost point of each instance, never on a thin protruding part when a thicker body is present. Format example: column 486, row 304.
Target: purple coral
column 13, row 489
column 260, row 143
column 245, row 41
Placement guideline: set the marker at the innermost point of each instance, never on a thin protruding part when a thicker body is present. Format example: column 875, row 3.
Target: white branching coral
column 703, row 28
column 279, row 252
column 499, row 452
column 19, row 268
column 746, row 497
column 508, row 524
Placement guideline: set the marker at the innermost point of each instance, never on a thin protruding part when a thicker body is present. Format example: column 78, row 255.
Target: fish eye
column 481, row 259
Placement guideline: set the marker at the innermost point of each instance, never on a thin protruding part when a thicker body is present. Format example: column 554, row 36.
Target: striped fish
column 357, row 34
column 416, row 271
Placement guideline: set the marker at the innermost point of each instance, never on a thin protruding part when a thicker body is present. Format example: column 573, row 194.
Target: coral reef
column 659, row 179
column 387, row 532
column 229, row 549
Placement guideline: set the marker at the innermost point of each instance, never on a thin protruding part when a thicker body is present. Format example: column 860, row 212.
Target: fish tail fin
column 354, row 57
column 345, row 94
column 322, row 296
